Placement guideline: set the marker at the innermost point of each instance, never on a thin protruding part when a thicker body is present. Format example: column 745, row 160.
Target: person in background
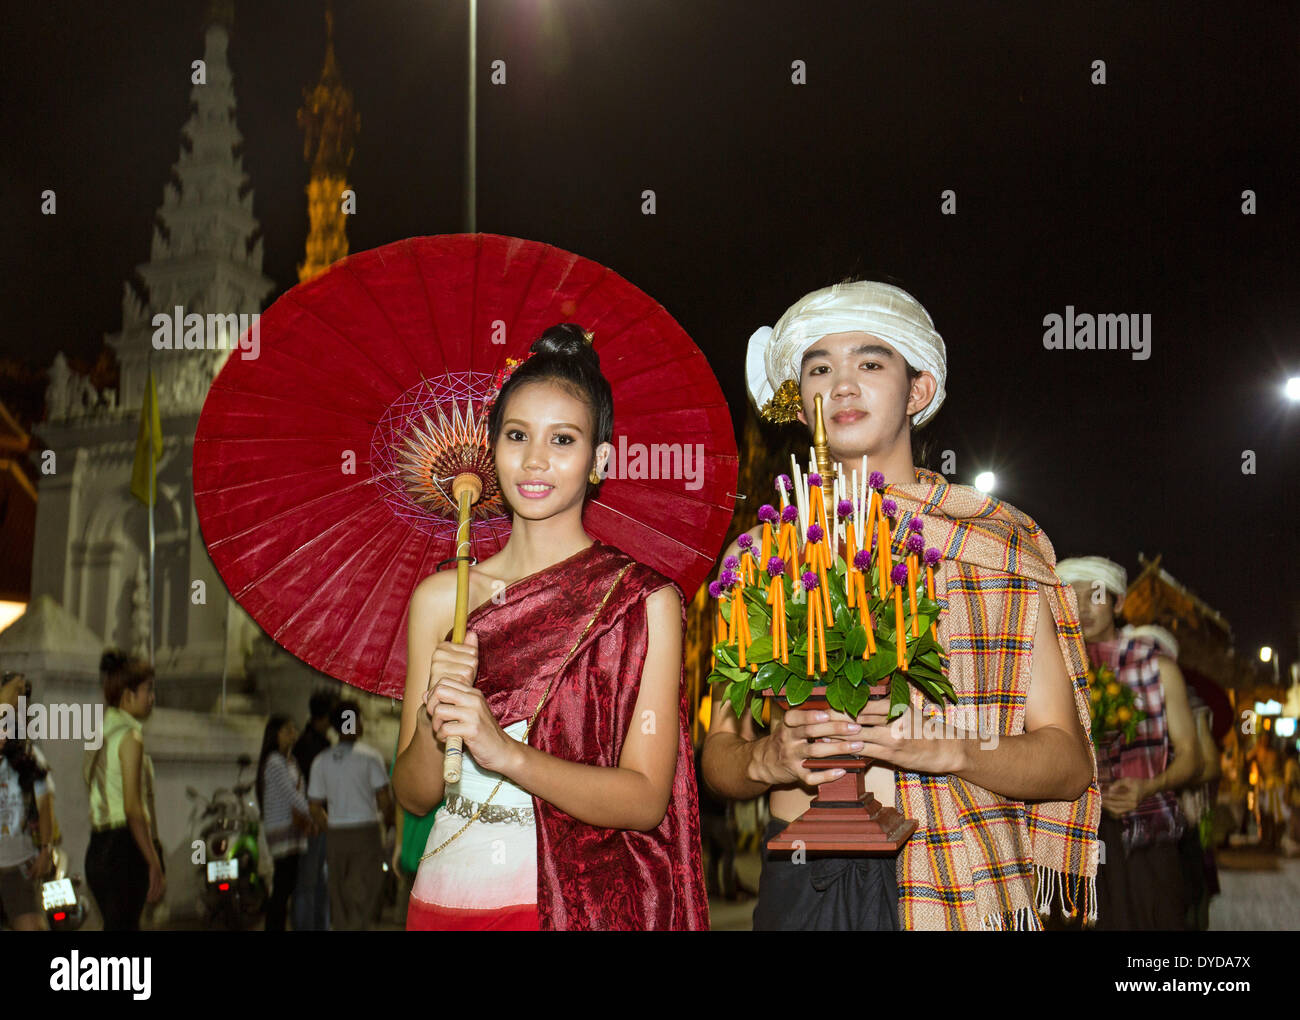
column 348, row 791
column 123, row 866
column 311, row 904
column 286, row 816
column 1197, row 798
column 1140, row 882
column 26, row 811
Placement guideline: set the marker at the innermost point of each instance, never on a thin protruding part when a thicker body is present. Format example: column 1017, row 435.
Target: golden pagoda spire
column 330, row 124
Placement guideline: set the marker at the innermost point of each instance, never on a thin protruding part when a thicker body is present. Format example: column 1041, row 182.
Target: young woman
column 576, row 808
column 286, row 817
column 26, row 818
column 123, row 866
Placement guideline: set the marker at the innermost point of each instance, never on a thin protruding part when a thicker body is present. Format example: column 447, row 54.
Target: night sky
column 1120, row 198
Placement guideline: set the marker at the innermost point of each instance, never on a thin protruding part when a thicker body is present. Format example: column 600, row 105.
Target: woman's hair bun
column 112, row 661
column 567, row 340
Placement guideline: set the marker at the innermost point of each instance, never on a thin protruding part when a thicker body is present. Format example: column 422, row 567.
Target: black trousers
column 826, row 893
column 118, row 876
column 282, row 885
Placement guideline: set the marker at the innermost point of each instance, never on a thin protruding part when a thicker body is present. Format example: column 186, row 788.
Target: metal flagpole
column 471, row 199
column 153, row 498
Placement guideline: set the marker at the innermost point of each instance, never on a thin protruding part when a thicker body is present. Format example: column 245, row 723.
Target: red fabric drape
column 590, row 878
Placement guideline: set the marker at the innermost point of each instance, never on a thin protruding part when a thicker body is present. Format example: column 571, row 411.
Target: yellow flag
column 148, row 447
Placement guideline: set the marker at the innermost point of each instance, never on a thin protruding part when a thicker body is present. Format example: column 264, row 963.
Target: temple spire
column 330, row 125
column 206, row 253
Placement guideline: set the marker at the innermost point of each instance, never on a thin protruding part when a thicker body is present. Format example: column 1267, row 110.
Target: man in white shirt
column 348, row 791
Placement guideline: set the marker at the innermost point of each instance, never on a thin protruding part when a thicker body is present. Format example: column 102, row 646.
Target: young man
column 1140, row 883
column 350, row 782
column 981, row 856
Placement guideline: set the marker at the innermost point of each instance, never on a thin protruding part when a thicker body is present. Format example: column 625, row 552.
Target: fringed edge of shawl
column 1076, row 894
column 1023, row 919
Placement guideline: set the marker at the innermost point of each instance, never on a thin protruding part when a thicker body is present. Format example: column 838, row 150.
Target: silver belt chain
column 492, row 813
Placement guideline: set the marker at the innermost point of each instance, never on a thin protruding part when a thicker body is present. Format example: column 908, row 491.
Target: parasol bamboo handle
column 466, row 490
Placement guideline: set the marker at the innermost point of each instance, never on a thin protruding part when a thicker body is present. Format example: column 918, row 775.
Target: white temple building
column 218, row 675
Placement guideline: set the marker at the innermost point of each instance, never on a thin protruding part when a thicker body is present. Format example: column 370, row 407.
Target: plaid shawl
column 1158, row 819
column 979, row 860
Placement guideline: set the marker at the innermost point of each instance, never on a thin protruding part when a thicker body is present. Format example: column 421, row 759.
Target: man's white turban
column 776, row 353
column 1094, row 568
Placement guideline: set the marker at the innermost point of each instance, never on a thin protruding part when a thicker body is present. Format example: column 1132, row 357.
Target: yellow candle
column 883, row 558
column 929, row 590
column 898, row 628
column 911, row 590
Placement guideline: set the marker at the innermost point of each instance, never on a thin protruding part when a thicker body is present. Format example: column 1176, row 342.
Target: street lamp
column 984, row 481
column 1266, row 654
column 1293, row 388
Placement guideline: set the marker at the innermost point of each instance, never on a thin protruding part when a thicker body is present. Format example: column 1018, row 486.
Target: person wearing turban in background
column 982, row 855
column 1140, row 882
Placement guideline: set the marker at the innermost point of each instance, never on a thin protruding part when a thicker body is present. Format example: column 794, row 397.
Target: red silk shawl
column 590, row 878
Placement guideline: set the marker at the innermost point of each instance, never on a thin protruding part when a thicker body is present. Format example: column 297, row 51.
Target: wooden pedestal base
column 844, row 818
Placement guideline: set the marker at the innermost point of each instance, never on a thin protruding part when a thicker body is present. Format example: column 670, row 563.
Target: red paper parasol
column 312, row 460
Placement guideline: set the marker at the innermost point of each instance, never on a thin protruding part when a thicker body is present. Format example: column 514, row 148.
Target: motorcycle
column 227, row 826
column 62, row 897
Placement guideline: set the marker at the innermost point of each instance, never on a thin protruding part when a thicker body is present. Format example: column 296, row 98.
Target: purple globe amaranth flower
column 844, row 507
column 877, row 480
column 767, row 513
column 915, row 524
column 715, row 590
column 809, row 580
column 814, row 533
column 862, row 559
column 727, row 578
column 790, row 514
column 783, row 483
column 932, row 557
column 731, row 562
column 889, row 507
column 899, row 573
column 745, row 540
column 915, row 543
column 814, row 479
column 775, row 565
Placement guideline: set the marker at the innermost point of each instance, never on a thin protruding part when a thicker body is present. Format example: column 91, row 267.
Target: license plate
column 58, row 893
column 223, row 871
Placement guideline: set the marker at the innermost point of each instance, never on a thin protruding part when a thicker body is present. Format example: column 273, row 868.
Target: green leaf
column 838, row 601
column 856, row 641
column 768, row 677
column 725, row 653
column 835, row 693
column 760, row 649
column 928, row 606
column 900, row 696
column 855, row 699
column 845, row 621
column 738, row 692
column 835, row 660
column 853, row 669
column 756, row 709
column 881, row 664
column 798, row 664
column 734, row 673
column 797, row 689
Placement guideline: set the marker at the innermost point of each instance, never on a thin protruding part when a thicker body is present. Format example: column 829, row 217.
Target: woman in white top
column 286, row 818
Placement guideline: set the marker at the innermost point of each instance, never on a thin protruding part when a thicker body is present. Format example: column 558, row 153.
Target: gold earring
column 593, row 477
